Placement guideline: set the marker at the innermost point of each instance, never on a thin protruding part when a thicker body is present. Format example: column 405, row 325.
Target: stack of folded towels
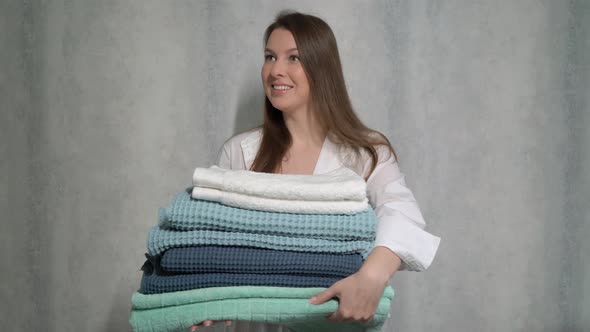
column 243, row 245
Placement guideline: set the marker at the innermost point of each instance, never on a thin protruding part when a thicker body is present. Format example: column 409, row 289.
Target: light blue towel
column 161, row 239
column 186, row 213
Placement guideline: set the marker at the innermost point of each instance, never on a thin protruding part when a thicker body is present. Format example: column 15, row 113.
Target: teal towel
column 160, row 240
column 185, row 213
column 276, row 305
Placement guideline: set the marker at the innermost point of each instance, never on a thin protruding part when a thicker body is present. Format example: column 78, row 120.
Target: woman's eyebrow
column 273, row 52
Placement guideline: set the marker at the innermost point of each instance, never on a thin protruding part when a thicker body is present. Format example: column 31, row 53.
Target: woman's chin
column 280, row 106
column 283, row 105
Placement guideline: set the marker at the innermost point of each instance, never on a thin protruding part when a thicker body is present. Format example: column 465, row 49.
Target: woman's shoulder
column 239, row 151
column 360, row 160
column 380, row 143
column 245, row 137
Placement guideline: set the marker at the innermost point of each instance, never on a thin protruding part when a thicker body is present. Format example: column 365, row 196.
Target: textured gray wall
column 106, row 108
column 578, row 176
column 17, row 300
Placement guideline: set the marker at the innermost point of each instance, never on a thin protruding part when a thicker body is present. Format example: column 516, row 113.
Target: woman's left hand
column 358, row 295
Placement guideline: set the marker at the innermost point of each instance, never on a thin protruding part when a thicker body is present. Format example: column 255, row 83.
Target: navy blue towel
column 156, row 284
column 213, row 259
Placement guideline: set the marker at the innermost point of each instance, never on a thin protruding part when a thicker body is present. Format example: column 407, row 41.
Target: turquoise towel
column 185, row 213
column 277, row 305
column 161, row 239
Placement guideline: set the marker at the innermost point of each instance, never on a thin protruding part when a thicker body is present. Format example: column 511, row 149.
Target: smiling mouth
column 280, row 89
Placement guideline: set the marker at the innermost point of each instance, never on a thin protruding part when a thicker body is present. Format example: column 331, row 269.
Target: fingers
column 326, row 295
column 208, row 323
column 335, row 316
column 344, row 315
column 203, row 323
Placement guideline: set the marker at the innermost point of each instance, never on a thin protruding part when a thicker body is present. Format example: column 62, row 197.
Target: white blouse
column 400, row 225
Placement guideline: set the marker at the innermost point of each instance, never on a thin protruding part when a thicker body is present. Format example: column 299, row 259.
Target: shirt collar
column 328, row 160
column 250, row 146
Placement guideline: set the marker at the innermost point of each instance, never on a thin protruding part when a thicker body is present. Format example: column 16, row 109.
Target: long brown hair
column 319, row 57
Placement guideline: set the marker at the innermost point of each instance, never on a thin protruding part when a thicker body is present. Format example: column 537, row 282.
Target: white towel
column 279, row 205
column 338, row 185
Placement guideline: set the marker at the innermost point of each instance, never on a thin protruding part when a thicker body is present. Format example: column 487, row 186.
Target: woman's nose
column 278, row 69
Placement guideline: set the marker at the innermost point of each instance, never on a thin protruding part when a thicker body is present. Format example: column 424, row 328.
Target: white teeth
column 281, row 87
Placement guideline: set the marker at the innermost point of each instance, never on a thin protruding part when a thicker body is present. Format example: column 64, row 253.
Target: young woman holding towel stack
column 310, row 128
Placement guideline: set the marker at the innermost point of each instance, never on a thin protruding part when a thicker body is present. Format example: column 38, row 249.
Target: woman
column 310, row 128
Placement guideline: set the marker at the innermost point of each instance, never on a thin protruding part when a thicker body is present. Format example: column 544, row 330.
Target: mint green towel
column 276, row 305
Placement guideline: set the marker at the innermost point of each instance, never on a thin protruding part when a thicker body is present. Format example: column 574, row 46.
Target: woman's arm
column 400, row 224
column 381, row 264
column 359, row 294
column 401, row 243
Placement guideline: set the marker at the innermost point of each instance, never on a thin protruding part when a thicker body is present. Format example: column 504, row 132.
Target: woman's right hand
column 208, row 323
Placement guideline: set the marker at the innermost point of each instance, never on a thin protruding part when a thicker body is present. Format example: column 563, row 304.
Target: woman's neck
column 304, row 128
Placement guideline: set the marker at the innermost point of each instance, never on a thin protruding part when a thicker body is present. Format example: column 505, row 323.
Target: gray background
column 107, row 107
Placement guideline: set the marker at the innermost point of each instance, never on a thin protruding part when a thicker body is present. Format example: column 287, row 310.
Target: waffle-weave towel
column 211, row 259
column 277, row 305
column 155, row 284
column 160, row 239
column 339, row 184
column 185, row 213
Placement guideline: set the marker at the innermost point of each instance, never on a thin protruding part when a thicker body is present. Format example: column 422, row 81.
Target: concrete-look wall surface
column 108, row 106
column 17, row 250
column 578, row 176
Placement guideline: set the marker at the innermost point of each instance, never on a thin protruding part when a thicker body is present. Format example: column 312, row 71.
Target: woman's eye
column 294, row 58
column 269, row 57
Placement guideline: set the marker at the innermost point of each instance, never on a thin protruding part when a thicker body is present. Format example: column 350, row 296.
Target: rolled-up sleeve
column 400, row 225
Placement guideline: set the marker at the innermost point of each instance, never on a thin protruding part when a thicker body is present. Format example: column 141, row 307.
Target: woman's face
column 283, row 78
